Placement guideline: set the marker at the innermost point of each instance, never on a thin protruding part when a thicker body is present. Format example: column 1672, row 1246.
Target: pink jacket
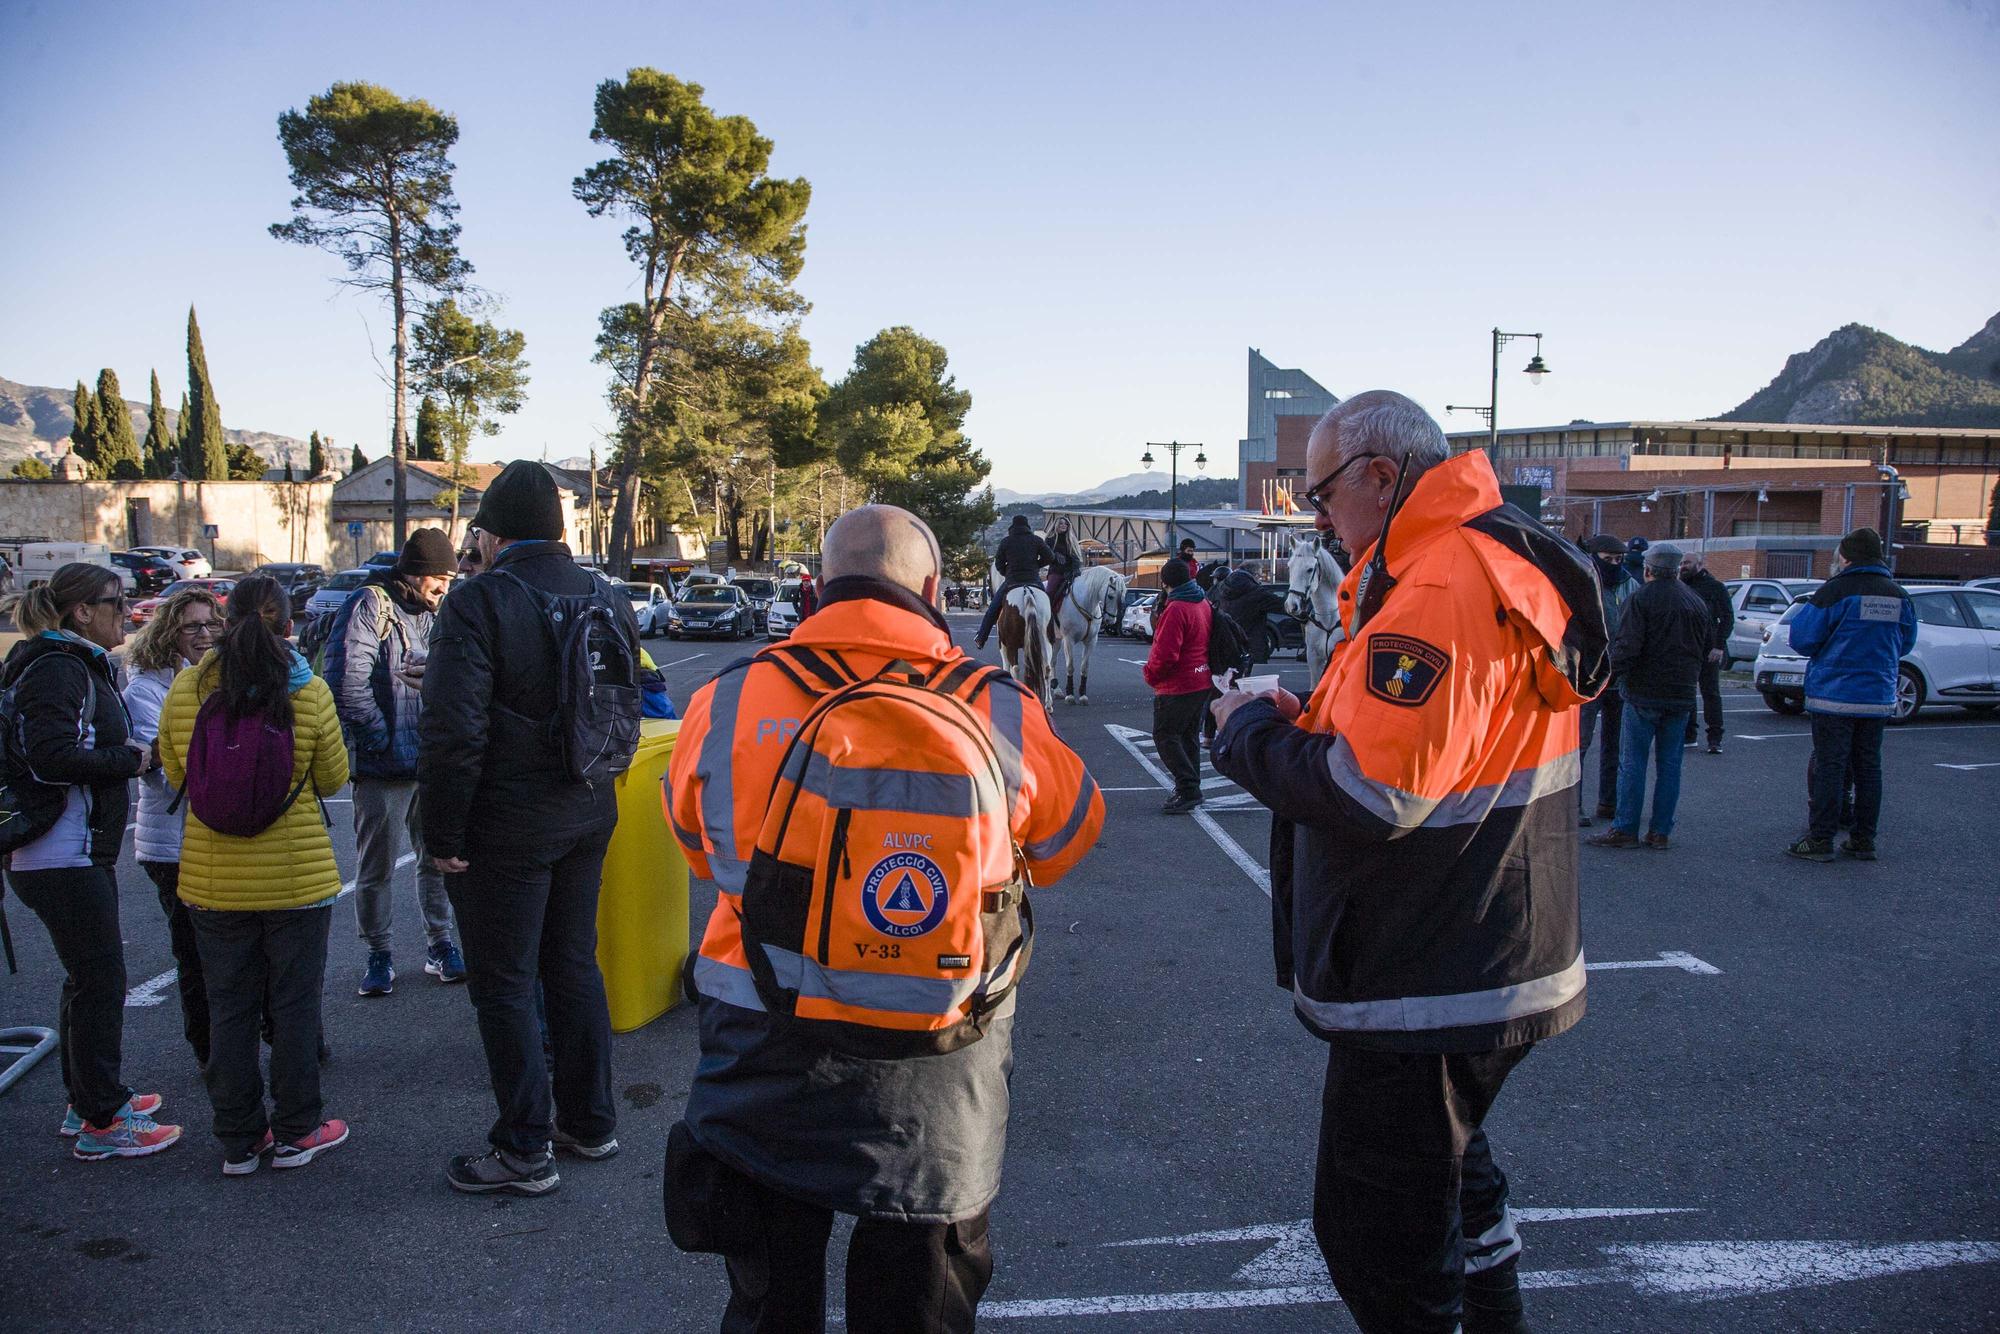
column 1178, row 664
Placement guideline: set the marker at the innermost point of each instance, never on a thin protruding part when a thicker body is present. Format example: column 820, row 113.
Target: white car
column 187, row 562
column 649, row 604
column 1137, row 619
column 1956, row 660
column 1759, row 603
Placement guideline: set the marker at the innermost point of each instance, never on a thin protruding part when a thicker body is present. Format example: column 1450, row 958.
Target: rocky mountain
column 1861, row 375
column 1130, row 484
column 36, row 419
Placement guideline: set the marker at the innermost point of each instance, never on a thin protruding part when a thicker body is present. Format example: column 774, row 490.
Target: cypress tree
column 315, row 456
column 358, row 462
column 430, row 431
column 84, row 435
column 159, row 455
column 204, row 453
column 118, row 448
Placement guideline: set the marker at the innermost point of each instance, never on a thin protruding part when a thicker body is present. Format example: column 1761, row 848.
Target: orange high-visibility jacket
column 1427, row 899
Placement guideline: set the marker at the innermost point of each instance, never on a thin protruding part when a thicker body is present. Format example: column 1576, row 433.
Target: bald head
column 883, row 542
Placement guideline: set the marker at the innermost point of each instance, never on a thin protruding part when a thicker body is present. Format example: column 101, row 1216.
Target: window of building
column 1291, row 472
column 1773, row 528
column 1279, row 393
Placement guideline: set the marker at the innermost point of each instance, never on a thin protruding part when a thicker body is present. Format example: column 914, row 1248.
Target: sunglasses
column 119, row 601
column 1312, row 493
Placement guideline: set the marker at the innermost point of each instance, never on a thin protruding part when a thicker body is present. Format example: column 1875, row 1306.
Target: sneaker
column 380, row 979
column 1812, row 849
column 1715, row 747
column 129, row 1136
column 498, row 1170
column 593, row 1150
column 1861, row 849
column 299, row 1152
column 1584, row 822
column 1617, row 838
column 1657, row 842
column 145, row 1104
column 445, row 963
column 1180, row 805
column 243, row 1164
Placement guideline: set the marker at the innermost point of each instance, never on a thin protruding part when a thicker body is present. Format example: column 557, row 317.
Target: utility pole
column 596, row 546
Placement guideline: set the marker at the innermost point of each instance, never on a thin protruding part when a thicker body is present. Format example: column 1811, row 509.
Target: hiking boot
column 1861, row 849
column 1657, row 842
column 145, row 1104
column 594, row 1150
column 380, row 979
column 1606, row 811
column 1181, row 805
column 498, row 1170
column 1812, row 849
column 445, row 963
column 128, row 1136
column 299, row 1152
column 244, row 1163
column 1617, row 838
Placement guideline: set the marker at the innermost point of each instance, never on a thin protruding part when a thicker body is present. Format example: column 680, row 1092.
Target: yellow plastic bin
column 642, row 913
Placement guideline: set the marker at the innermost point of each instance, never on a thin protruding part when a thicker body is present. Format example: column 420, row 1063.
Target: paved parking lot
column 1778, row 1115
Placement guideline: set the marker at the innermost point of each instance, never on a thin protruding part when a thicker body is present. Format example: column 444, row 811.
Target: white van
column 40, row 561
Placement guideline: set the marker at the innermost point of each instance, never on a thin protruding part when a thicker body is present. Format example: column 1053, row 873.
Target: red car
column 142, row 611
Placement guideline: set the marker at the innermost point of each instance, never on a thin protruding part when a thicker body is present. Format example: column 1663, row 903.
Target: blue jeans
column 1650, row 727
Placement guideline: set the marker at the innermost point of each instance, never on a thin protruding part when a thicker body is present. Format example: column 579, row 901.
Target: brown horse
column 1024, row 640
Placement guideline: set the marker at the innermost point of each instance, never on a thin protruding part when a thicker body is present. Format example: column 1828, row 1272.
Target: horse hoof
column 1083, row 699
column 1069, row 699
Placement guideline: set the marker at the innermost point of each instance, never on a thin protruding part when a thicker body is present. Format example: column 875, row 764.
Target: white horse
column 1024, row 640
column 1313, row 598
column 1079, row 621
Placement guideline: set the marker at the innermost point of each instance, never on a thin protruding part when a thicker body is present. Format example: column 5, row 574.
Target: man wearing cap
column 375, row 659
column 1602, row 716
column 521, row 845
column 1853, row 631
column 1662, row 641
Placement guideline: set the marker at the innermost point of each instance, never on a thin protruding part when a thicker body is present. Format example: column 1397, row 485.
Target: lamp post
column 1534, row 370
column 1174, row 448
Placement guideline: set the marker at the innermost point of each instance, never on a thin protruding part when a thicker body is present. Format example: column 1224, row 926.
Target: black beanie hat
column 1020, row 524
column 1174, row 573
column 522, row 504
column 1863, row 546
column 428, row 551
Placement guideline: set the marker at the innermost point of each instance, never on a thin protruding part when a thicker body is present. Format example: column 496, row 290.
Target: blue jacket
column 1854, row 630
column 372, row 635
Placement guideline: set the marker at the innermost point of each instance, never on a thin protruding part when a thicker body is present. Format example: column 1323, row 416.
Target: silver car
column 1759, row 603
column 1956, row 660
column 334, row 591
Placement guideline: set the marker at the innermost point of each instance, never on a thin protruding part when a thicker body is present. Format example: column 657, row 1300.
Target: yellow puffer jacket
column 289, row 865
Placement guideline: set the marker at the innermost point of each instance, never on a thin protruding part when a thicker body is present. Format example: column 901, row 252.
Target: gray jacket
column 375, row 636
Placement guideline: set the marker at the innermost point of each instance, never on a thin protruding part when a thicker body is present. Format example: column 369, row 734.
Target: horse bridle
column 1306, row 600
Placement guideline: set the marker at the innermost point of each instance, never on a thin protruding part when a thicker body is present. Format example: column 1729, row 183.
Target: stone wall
column 259, row 522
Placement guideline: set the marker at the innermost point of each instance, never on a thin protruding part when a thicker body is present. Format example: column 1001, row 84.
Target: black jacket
column 1250, row 605
column 1021, row 557
column 490, row 772
column 1714, row 595
column 1663, row 639
column 50, row 702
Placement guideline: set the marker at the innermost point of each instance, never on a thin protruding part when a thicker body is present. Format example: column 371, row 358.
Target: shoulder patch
column 1404, row 670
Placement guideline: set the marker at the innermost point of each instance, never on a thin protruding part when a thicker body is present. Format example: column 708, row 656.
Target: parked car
column 1759, row 603
column 382, row 560
column 649, row 602
column 1136, row 619
column 149, row 574
column 187, row 562
column 712, row 609
column 334, row 591
column 1281, row 631
column 760, row 592
column 300, row 581
column 1983, row 583
column 1956, row 660
column 40, row 561
column 142, row 611
column 783, row 616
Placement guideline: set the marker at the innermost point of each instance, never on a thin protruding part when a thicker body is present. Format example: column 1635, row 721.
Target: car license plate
column 1790, row 678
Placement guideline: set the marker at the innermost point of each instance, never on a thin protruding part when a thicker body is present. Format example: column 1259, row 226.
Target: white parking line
column 1231, row 848
column 1668, row 959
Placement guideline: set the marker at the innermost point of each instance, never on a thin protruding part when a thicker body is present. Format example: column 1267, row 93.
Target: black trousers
column 79, row 906
column 1711, row 703
column 1610, row 715
column 1844, row 749
column 1408, row 1206
column 166, row 878
column 1177, row 736
column 250, row 960
column 902, row 1278
column 528, row 914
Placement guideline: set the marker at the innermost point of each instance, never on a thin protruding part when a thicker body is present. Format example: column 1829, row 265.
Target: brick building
column 1283, row 405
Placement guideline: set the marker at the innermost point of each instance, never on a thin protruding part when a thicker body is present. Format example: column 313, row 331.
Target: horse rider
column 1019, row 560
column 1069, row 564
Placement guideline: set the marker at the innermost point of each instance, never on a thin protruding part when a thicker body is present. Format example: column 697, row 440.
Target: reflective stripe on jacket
column 1427, row 899
column 1854, row 631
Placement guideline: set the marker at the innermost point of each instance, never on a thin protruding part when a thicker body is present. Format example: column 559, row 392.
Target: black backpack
column 29, row 807
column 1226, row 645
column 596, row 722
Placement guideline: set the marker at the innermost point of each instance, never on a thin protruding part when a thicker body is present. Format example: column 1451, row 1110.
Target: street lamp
column 1174, row 448
column 1534, row 370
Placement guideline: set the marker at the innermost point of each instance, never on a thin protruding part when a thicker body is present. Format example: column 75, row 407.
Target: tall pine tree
column 85, row 435
column 118, row 448
column 315, row 456
column 203, row 451
column 159, row 452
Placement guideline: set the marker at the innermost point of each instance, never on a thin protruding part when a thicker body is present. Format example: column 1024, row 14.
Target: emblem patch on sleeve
column 1403, row 670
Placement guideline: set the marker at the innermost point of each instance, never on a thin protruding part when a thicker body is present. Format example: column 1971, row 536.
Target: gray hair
column 1384, row 422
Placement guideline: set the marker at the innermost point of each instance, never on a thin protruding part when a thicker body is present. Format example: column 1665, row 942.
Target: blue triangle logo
column 905, row 898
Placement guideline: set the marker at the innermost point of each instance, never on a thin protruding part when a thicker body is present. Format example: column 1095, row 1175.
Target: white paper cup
column 1258, row 685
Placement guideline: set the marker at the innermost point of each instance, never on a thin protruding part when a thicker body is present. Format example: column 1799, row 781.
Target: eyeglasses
column 198, row 629
column 468, row 558
column 1312, row 492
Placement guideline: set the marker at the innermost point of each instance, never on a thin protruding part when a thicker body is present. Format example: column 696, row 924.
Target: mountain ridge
column 1860, row 376
column 37, row 418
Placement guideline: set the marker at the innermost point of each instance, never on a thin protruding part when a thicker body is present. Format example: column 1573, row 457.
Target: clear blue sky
column 1095, row 208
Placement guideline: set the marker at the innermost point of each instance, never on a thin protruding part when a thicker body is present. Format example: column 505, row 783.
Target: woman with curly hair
column 185, row 627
